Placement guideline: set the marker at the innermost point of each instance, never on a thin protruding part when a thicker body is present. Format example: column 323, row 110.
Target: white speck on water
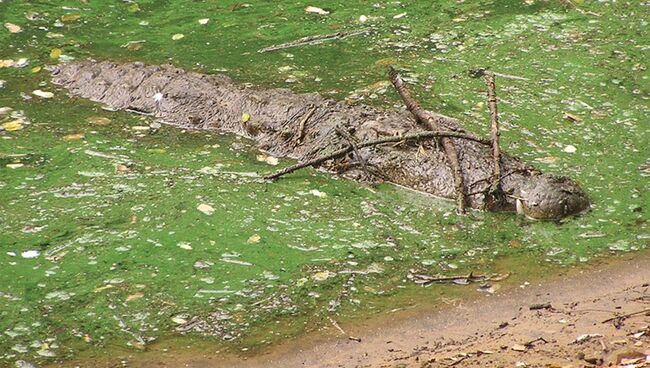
column 30, row 254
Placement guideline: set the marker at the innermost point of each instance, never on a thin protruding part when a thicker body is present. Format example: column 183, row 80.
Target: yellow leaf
column 70, row 17
column 8, row 63
column 36, row 69
column 254, row 239
column 55, row 53
column 134, row 8
column 13, row 28
column 73, row 137
column 245, row 117
column 13, row 125
column 177, row 36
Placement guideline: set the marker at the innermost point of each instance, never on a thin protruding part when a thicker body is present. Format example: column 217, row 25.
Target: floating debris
column 316, row 10
column 206, row 209
column 43, row 94
column 30, row 254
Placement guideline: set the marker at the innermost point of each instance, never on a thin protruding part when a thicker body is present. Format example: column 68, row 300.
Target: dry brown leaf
column 13, row 28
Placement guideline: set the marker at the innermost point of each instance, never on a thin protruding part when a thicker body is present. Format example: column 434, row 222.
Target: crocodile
column 307, row 126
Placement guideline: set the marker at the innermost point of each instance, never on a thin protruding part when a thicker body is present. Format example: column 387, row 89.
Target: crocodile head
column 551, row 197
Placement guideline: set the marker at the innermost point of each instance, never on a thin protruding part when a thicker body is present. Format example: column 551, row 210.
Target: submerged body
column 304, row 126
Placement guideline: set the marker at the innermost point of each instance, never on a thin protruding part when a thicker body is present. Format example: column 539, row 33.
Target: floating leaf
column 55, row 53
column 30, row 254
column 73, row 137
column 134, row 45
column 70, row 17
column 185, row 245
column 13, row 28
column 570, row 149
column 43, row 94
column 99, row 120
column 36, row 69
column 316, row 10
column 268, row 159
column 13, row 125
column 322, row 276
column 179, row 320
column 572, row 117
column 21, row 63
column 318, row 193
column 206, row 209
column 134, row 297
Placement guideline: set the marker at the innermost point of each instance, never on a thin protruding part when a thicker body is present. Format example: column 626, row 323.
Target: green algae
column 114, row 214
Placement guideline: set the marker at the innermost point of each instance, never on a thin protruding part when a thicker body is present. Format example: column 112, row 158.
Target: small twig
column 467, row 356
column 530, row 343
column 540, row 306
column 313, row 40
column 336, row 325
column 353, row 144
column 301, row 127
column 574, row 6
column 627, row 315
column 392, row 139
column 427, row 280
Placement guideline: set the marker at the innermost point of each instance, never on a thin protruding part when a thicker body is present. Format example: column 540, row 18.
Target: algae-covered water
column 116, row 231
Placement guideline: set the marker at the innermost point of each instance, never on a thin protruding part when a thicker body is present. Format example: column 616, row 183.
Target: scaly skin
column 215, row 102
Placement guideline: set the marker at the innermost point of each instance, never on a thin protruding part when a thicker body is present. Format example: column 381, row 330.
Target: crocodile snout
column 548, row 196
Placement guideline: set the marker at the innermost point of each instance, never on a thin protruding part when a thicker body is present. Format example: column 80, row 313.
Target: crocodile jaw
column 550, row 197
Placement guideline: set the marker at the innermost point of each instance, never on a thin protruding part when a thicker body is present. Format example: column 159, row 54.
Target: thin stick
column 313, row 40
column 574, row 6
column 301, row 126
column 429, row 122
column 343, row 133
column 346, row 150
column 494, row 117
column 627, row 315
column 426, row 280
column 336, row 325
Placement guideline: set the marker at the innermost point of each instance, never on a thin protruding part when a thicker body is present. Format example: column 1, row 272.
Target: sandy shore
column 558, row 323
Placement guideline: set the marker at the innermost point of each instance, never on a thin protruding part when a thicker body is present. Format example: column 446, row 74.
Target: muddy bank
column 564, row 328
column 307, row 126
